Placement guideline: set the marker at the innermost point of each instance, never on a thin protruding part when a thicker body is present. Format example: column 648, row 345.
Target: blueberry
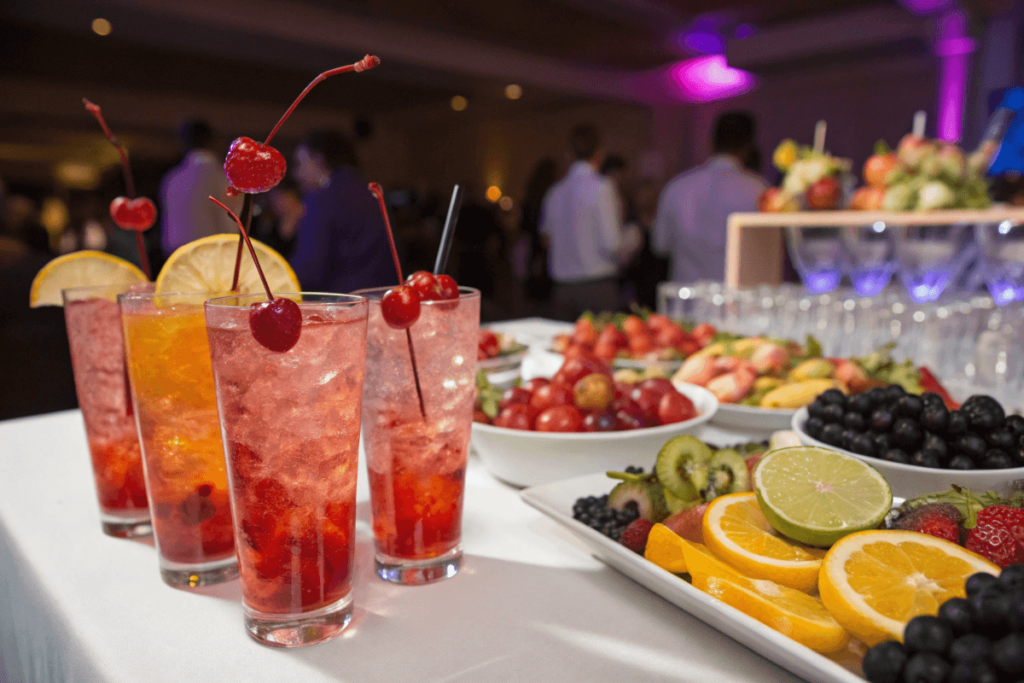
column 1016, row 615
column 894, row 392
column 1000, row 438
column 1008, row 654
column 884, row 662
column 881, row 442
column 957, row 613
column 855, row 421
column 906, row 434
column 979, row 583
column 832, row 412
column 896, row 455
column 927, row 634
column 983, row 412
column 936, row 445
column 934, row 418
column 1012, row 577
column 834, row 397
column 862, row 444
column 860, row 404
column 932, row 399
column 832, row 434
column 633, row 469
column 960, row 462
column 971, row 445
column 925, row 459
column 972, row 672
column 848, row 436
column 909, row 406
column 995, row 459
column 881, row 420
column 956, row 424
column 1015, row 424
column 970, row 647
column 991, row 612
column 876, row 395
column 815, row 409
column 813, row 427
column 925, row 667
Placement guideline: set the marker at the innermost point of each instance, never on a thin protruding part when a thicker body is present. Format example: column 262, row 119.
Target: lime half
column 817, row 496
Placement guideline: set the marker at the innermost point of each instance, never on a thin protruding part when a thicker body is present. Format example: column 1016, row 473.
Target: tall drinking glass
column 291, row 437
column 818, row 255
column 1002, row 250
column 417, row 459
column 101, row 381
column 176, row 411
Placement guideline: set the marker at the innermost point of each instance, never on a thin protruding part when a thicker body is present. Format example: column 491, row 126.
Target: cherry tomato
column 622, row 392
column 448, row 290
column 670, row 336
column 627, row 420
column 536, row 383
column 550, row 395
column 563, row 418
column 514, row 395
column 612, row 335
column 704, row 333
column 633, row 326
column 659, row 384
column 489, row 343
column 657, row 321
column 400, row 307
column 584, row 334
column 425, row 285
column 640, row 344
column 516, row 416
column 600, row 422
column 674, row 407
column 579, row 366
column 605, row 351
column 481, row 416
column 647, row 399
column 593, row 392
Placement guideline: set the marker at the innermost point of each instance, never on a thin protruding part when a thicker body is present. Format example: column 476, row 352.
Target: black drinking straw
column 445, row 248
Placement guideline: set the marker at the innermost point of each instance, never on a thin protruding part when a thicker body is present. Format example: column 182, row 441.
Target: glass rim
column 372, row 292
column 101, row 288
column 154, row 294
column 341, row 299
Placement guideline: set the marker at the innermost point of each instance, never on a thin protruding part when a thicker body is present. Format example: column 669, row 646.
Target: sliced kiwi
column 727, row 471
column 648, row 499
column 626, row 476
column 674, row 503
column 682, row 467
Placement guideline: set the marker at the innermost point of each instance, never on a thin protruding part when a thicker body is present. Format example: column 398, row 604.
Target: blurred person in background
column 694, row 207
column 35, row 363
column 480, row 254
column 340, row 243
column 279, row 216
column 537, row 284
column 186, row 213
column 646, row 269
column 614, row 169
column 581, row 222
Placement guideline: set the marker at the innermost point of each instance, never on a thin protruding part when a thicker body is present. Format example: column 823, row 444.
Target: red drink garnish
column 425, row 285
column 400, row 307
column 128, row 213
column 276, row 323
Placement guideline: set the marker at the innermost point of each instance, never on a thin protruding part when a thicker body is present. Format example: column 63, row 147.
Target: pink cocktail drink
column 291, row 435
column 101, row 381
column 417, row 459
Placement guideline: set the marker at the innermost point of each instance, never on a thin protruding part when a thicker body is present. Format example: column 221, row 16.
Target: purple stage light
column 953, row 47
column 926, row 6
column 744, row 31
column 705, row 79
column 702, row 42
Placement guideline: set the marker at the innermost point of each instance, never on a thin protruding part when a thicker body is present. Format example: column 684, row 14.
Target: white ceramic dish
column 752, row 418
column 527, row 458
column 556, row 499
column 503, row 371
column 908, row 481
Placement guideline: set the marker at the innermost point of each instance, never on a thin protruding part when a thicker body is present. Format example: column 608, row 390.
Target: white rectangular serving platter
column 556, row 500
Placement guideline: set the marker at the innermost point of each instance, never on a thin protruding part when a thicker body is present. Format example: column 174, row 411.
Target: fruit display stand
column 755, row 241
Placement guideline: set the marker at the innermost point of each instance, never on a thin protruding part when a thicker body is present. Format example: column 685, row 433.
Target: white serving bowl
column 909, row 481
column 753, row 418
column 525, row 458
column 503, row 371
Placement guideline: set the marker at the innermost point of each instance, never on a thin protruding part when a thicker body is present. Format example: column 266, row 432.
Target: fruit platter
column 920, row 443
column 801, row 555
column 579, row 420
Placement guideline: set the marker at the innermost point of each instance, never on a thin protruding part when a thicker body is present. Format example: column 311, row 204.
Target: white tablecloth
column 530, row 603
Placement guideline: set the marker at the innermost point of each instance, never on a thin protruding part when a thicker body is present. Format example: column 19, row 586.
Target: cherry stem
column 126, row 167
column 140, row 242
column 246, row 217
column 364, row 64
column 378, row 192
column 248, row 243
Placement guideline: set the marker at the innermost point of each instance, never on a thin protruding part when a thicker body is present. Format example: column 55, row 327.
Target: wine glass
column 1002, row 251
column 872, row 260
column 818, row 256
column 930, row 257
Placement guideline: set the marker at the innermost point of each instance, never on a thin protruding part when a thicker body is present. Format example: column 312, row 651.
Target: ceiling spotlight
column 513, row 91
column 101, row 27
column 493, row 193
column 459, row 103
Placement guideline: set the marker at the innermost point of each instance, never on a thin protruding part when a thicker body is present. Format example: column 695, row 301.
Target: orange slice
column 874, row 582
column 736, row 530
column 208, row 265
column 665, row 549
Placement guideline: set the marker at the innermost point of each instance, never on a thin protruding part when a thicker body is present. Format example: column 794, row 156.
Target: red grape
column 674, row 407
column 400, row 307
column 562, row 418
column 516, row 416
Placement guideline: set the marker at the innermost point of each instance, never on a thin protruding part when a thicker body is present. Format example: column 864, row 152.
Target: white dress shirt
column 581, row 219
column 693, row 210
column 186, row 212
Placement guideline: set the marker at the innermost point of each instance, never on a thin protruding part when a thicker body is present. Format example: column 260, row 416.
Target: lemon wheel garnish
column 81, row 269
column 208, row 265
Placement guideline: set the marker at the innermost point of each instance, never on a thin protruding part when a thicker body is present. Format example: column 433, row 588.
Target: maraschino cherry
column 128, row 213
column 253, row 167
column 277, row 322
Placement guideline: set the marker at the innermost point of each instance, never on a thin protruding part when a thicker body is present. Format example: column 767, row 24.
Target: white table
column 530, row 603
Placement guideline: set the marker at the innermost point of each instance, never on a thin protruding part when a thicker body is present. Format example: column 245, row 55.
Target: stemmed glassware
column 818, row 256
column 871, row 256
column 930, row 257
column 1002, row 259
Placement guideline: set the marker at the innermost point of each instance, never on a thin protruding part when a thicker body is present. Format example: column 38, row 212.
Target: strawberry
column 635, row 535
column 999, row 535
column 941, row 520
